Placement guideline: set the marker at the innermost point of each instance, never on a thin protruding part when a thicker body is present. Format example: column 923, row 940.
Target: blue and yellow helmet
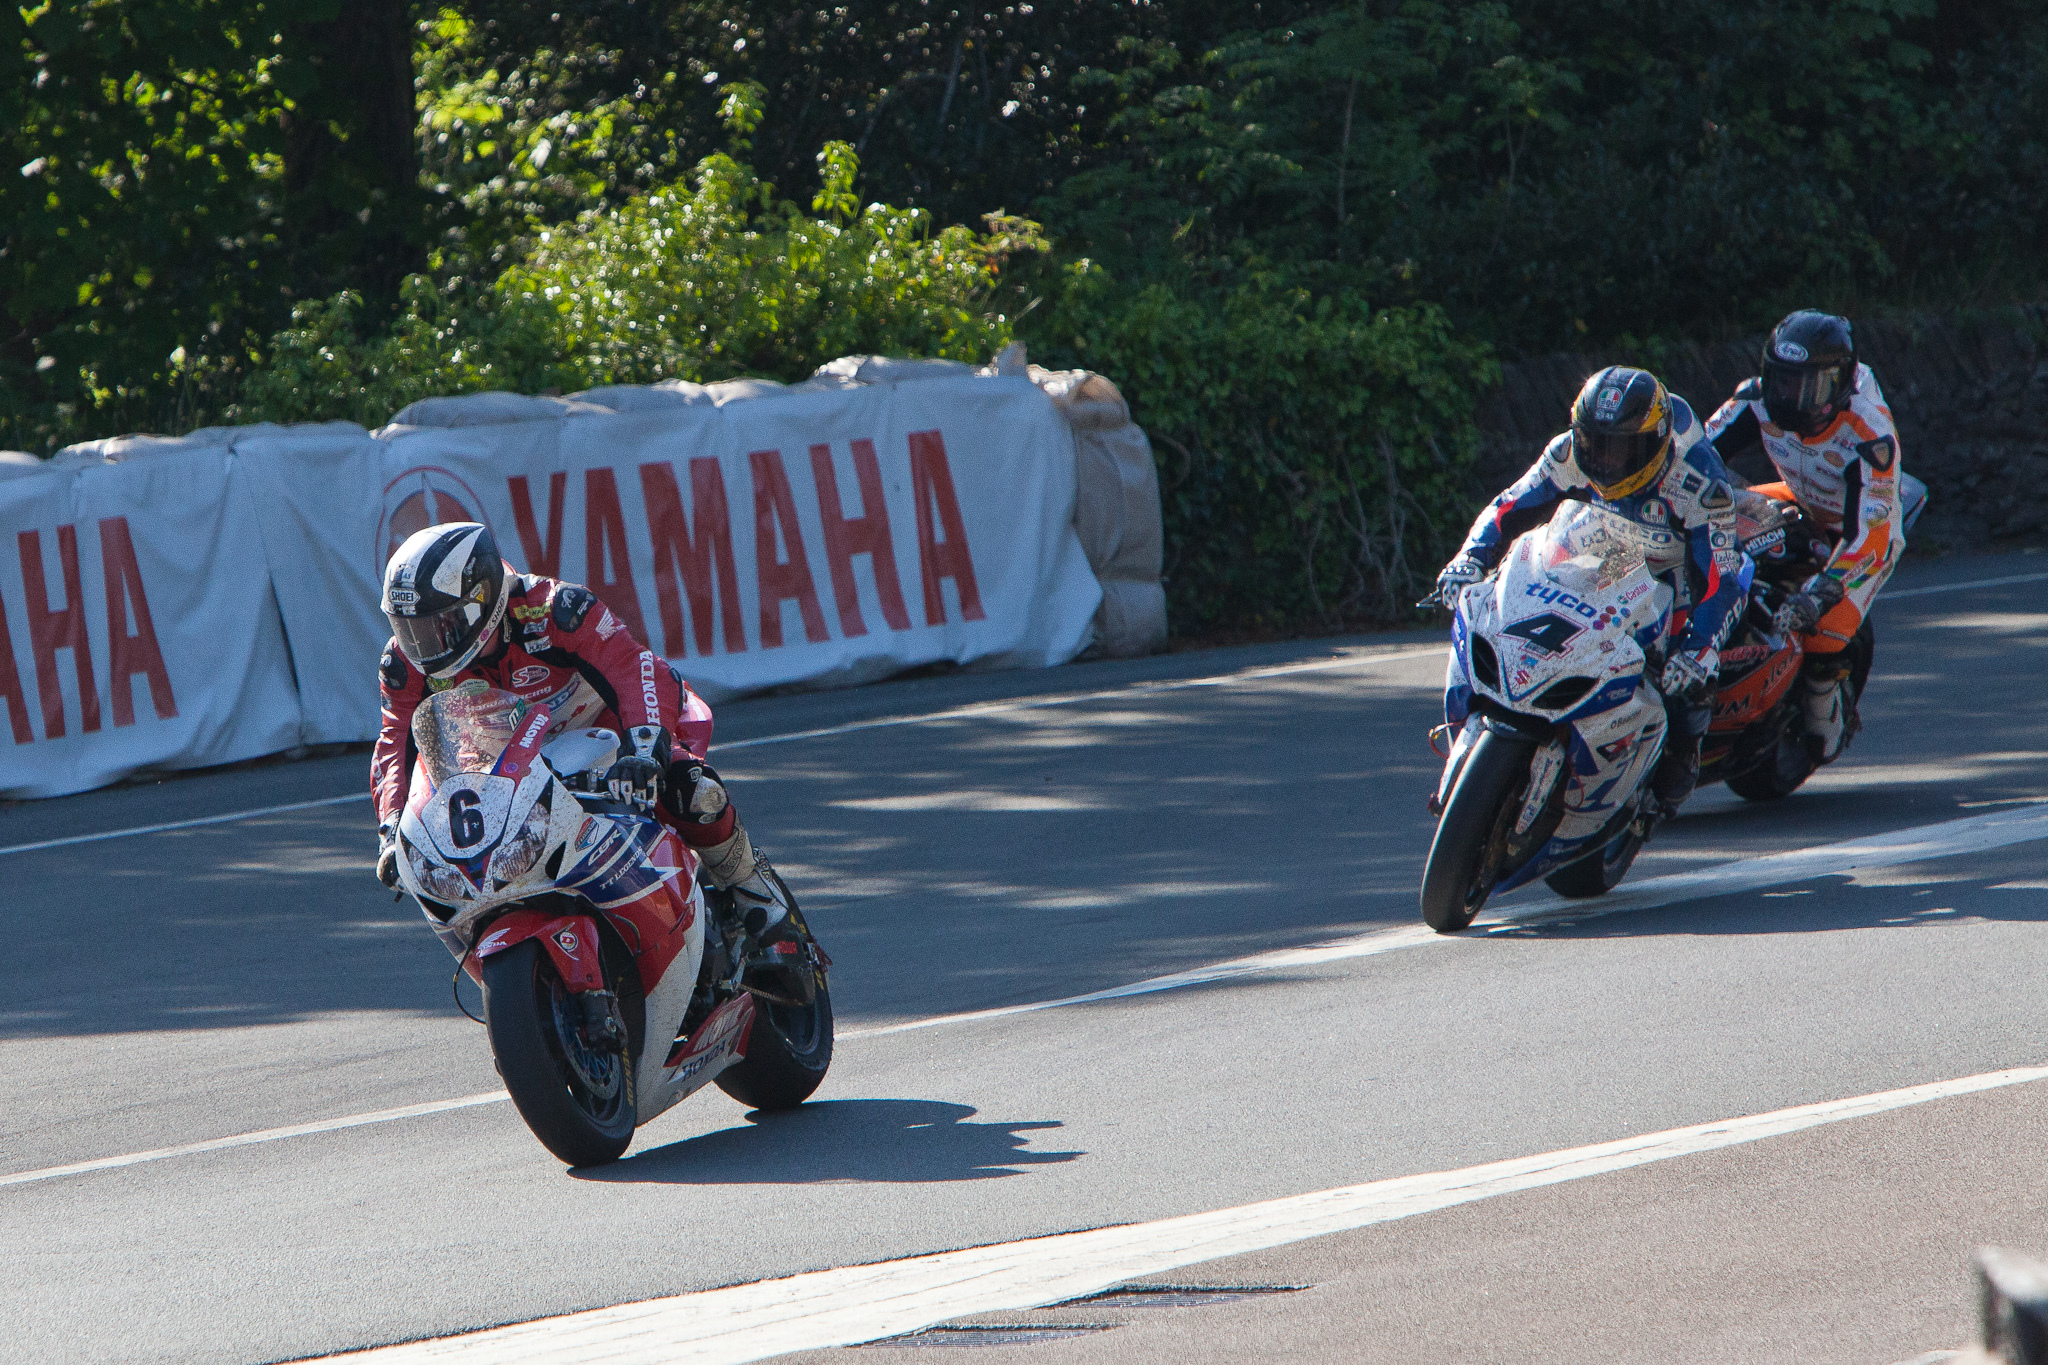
column 1621, row 430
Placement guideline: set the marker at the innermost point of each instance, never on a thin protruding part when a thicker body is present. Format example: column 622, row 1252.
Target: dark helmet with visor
column 445, row 593
column 1621, row 430
column 1809, row 372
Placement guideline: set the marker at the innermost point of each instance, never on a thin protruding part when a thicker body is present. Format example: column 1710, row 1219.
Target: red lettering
column 866, row 534
column 50, row 631
column 542, row 556
column 604, row 539
column 697, row 561
column 931, row 482
column 10, row 683
column 137, row 653
column 781, row 578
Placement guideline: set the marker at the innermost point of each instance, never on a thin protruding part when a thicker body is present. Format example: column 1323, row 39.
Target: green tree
column 188, row 168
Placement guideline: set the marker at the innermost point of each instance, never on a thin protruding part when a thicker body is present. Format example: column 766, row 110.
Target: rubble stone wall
column 1970, row 397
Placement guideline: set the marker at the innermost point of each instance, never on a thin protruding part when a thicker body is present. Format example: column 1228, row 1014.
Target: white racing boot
column 1827, row 716
column 757, row 894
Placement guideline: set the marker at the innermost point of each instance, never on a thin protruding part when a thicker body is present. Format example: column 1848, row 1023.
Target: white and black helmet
column 445, row 592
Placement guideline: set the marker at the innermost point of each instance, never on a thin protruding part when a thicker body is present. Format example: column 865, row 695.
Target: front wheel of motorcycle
column 790, row 1046
column 1596, row 874
column 1471, row 839
column 577, row 1100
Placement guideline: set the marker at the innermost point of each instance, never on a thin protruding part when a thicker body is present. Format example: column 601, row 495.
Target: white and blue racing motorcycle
column 1555, row 723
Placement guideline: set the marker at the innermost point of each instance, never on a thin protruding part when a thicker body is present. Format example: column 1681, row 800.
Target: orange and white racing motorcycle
column 615, row 984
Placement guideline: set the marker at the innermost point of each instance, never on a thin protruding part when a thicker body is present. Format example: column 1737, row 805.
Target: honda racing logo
column 647, row 696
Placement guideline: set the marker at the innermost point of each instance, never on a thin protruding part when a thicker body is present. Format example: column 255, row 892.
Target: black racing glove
column 1802, row 610
column 387, row 856
column 634, row 780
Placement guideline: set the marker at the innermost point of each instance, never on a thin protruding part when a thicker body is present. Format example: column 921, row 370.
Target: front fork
column 1546, row 769
column 572, row 945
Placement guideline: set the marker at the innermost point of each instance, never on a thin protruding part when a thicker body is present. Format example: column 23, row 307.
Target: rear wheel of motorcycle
column 1598, row 873
column 1464, row 858
column 790, row 1047
column 582, row 1110
column 787, row 1054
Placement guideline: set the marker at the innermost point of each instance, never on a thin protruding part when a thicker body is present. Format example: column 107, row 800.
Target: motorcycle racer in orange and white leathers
column 1637, row 450
column 1821, row 418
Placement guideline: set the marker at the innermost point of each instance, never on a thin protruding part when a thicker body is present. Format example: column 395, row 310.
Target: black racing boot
column 1678, row 767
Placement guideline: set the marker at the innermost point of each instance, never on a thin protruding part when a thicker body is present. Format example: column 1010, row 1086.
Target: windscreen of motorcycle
column 465, row 729
column 1588, row 549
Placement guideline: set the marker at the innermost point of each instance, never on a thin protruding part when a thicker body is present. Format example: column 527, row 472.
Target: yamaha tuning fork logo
column 420, row 498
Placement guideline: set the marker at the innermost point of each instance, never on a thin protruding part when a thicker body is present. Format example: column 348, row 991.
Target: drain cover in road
column 994, row 1334
column 1180, row 1295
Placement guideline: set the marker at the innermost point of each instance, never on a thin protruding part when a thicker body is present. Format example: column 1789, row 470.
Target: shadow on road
column 1927, row 901
column 854, row 1141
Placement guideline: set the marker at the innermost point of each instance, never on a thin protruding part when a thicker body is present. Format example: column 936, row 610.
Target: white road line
column 1139, row 689
column 185, row 824
column 1948, row 839
column 108, row 1163
column 1959, row 587
column 865, row 1303
column 886, row 722
column 1945, row 840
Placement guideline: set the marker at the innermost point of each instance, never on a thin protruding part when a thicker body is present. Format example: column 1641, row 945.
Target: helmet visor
column 1609, row 458
column 432, row 640
column 1800, row 399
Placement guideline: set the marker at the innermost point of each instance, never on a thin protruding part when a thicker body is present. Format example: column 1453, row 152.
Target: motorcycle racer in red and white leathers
column 1637, row 450
column 1819, row 415
column 458, row 611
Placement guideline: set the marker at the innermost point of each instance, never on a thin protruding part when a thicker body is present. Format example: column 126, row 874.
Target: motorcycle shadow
column 860, row 1141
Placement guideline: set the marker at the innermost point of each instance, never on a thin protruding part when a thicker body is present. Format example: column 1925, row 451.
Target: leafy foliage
column 1594, row 171
column 1293, row 229
column 187, row 169
column 1311, row 449
column 711, row 283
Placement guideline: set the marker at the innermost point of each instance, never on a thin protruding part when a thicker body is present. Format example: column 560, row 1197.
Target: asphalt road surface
column 1021, row 838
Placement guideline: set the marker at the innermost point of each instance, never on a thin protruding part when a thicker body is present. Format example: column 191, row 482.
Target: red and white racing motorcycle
column 614, row 983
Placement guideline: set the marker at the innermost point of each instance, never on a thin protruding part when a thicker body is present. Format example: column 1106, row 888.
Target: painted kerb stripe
column 864, row 1303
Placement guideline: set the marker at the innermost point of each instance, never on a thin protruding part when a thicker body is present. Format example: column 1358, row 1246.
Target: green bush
column 1310, row 450
column 722, row 281
column 700, row 284
column 457, row 338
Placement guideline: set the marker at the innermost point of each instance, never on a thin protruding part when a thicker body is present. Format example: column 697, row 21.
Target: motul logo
column 131, row 643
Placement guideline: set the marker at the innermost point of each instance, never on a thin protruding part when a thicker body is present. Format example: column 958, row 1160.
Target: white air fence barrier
column 177, row 603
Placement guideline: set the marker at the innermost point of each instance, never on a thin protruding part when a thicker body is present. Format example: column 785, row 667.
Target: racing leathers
column 561, row 648
column 1846, row 479
column 1686, row 517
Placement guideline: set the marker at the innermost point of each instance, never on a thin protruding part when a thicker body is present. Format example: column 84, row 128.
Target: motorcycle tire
column 1596, row 874
column 790, row 1047
column 584, row 1116
column 1457, row 879
column 1779, row 772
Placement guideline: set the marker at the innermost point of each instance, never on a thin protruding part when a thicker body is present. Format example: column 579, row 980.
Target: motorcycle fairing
column 571, row 940
column 1575, row 599
column 668, row 1077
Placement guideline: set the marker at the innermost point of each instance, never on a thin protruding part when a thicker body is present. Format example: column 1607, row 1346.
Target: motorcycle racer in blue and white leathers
column 1637, row 450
